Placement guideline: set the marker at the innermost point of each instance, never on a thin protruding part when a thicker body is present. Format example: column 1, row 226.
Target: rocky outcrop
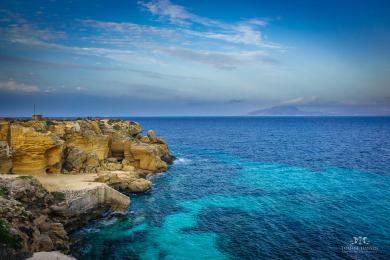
column 33, row 218
column 146, row 157
column 87, row 136
column 35, row 152
column 79, row 146
column 130, row 181
column 28, row 223
column 86, row 201
column 111, row 156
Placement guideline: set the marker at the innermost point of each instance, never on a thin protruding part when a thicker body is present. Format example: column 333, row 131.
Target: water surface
column 255, row 188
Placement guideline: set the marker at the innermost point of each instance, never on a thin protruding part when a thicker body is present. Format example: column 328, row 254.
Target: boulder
column 146, row 157
column 140, row 185
column 124, row 181
column 152, row 136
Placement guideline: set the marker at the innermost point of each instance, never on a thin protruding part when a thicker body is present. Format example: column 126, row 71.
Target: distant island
column 284, row 110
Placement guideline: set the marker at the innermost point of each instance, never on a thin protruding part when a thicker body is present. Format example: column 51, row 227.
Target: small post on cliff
column 35, row 116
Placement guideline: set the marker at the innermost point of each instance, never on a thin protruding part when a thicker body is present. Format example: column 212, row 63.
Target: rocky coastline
column 56, row 175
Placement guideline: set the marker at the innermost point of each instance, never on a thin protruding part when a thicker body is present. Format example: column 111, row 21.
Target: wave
column 182, row 161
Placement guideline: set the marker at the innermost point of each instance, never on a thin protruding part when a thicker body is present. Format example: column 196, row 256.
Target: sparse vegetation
column 3, row 191
column 50, row 123
column 58, row 196
column 116, row 127
column 7, row 237
column 112, row 121
column 25, row 177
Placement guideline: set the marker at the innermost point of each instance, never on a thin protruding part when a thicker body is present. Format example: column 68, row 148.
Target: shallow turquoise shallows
column 258, row 188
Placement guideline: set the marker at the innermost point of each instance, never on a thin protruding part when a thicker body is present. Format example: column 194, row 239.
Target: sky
column 194, row 57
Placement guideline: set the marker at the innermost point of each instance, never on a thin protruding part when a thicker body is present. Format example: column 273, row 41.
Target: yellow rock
column 4, row 130
column 35, row 152
column 87, row 136
column 146, row 157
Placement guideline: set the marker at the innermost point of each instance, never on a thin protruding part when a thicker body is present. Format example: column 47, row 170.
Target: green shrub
column 50, row 123
column 3, row 191
column 25, row 177
column 58, row 196
column 7, row 237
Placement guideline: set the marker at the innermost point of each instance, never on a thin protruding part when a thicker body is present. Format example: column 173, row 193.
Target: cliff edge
column 55, row 175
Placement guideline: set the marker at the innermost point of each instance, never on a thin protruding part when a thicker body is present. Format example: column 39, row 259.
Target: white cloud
column 12, row 85
column 222, row 45
column 221, row 60
column 300, row 101
column 245, row 32
column 175, row 13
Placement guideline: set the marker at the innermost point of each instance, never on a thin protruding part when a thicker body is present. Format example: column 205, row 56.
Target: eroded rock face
column 4, row 130
column 78, row 146
column 87, row 136
column 5, row 158
column 78, row 161
column 25, row 209
column 35, row 152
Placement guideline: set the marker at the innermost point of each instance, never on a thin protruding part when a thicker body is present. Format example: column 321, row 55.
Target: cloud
column 221, row 60
column 48, row 63
column 14, row 86
column 176, row 14
column 244, row 32
column 300, row 101
column 219, row 44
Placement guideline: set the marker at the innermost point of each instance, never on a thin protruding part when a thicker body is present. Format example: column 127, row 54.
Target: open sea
column 257, row 188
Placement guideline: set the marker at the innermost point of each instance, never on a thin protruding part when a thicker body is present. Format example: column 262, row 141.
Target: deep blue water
column 258, row 188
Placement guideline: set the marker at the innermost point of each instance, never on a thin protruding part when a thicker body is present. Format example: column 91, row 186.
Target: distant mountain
column 285, row 110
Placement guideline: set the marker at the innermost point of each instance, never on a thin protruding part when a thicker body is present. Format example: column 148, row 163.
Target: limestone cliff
column 78, row 146
column 82, row 167
column 35, row 152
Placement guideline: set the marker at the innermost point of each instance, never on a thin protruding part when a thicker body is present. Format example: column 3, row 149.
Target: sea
column 257, row 188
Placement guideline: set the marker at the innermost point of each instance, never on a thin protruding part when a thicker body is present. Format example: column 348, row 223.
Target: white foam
column 182, row 161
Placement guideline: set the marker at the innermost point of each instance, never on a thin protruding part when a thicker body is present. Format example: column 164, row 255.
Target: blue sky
column 161, row 57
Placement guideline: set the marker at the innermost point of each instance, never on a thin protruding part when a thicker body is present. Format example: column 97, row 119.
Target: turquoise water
column 257, row 188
